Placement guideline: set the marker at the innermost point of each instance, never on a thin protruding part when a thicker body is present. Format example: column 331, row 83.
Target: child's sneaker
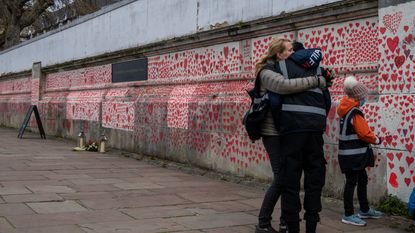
column 353, row 220
column 371, row 213
column 268, row 229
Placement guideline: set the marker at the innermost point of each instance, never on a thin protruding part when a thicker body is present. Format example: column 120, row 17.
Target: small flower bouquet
column 91, row 146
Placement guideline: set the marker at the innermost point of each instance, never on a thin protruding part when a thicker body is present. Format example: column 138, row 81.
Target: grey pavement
column 45, row 187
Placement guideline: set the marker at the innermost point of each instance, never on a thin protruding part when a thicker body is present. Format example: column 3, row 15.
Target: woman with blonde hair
column 271, row 80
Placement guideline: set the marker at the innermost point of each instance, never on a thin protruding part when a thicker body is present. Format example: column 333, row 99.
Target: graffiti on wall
column 14, row 96
column 397, row 84
column 81, row 103
column 91, row 76
column 202, row 112
column 206, row 63
column 349, row 48
column 15, row 85
column 118, row 111
column 178, row 106
column 84, row 105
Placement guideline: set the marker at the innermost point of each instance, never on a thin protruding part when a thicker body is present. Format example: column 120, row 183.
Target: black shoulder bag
column 257, row 112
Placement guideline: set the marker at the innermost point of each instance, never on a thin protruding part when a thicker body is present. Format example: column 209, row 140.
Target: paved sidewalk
column 47, row 188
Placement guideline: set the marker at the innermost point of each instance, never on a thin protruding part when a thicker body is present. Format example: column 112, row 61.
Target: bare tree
column 17, row 14
column 21, row 19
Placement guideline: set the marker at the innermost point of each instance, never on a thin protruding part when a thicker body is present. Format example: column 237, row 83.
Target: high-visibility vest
column 305, row 111
column 352, row 152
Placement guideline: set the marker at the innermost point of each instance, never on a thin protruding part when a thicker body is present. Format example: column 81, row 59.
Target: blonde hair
column 275, row 46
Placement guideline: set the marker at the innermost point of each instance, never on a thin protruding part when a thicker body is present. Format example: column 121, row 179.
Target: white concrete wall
column 133, row 23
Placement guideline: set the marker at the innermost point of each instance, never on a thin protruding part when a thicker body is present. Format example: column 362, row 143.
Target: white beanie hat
column 354, row 89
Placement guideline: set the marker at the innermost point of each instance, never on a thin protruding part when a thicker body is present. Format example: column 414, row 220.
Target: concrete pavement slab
column 45, row 182
column 121, row 175
column 117, row 203
column 90, row 181
column 82, row 171
column 216, row 220
column 379, row 230
column 21, row 178
column 137, row 226
column 5, row 226
column 239, row 229
column 191, row 231
column 129, row 170
column 55, row 176
column 52, row 229
column 155, row 179
column 26, row 173
column 50, row 189
column 133, row 193
column 163, row 211
column 35, row 197
column 9, row 190
column 45, row 167
column 254, row 201
column 56, row 190
column 56, row 207
column 54, row 157
column 211, row 196
column 140, row 185
column 225, row 206
column 69, row 218
column 86, row 195
column 95, row 188
column 14, row 209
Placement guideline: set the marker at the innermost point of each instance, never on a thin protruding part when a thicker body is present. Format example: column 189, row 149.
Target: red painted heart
column 399, row 60
column 392, row 21
column 392, row 180
column 407, row 181
column 409, row 147
column 405, row 28
column 399, row 155
column 392, row 43
column 409, row 160
column 408, row 39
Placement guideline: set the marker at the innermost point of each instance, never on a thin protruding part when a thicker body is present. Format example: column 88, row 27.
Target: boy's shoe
column 268, row 229
column 371, row 213
column 353, row 220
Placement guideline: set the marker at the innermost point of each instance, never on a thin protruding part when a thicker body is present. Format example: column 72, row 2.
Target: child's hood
column 345, row 105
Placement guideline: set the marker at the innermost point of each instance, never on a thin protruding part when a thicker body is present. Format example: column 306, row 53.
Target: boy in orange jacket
column 354, row 151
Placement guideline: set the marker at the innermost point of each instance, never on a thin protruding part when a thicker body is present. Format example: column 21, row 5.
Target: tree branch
column 23, row 2
column 30, row 16
column 4, row 13
column 2, row 40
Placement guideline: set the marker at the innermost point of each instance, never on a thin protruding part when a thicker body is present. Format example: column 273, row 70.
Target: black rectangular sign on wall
column 135, row 70
column 386, row 3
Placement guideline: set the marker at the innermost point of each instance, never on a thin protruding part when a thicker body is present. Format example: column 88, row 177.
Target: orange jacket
column 359, row 123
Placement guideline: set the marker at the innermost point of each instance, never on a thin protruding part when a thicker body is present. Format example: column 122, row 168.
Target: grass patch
column 392, row 205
